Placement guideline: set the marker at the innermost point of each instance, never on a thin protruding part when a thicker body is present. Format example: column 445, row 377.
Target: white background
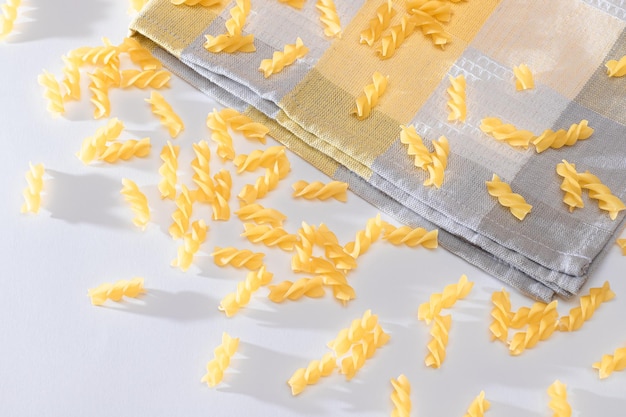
column 60, row 356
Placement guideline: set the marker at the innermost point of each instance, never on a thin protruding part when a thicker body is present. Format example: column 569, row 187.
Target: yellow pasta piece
column 523, row 77
column 145, row 78
column 71, row 80
column 401, row 397
column 622, row 244
column 588, row 305
column 269, row 236
column 558, row 400
column 365, row 238
column 378, row 23
column 371, row 94
column 220, row 135
column 138, row 203
column 229, row 44
column 98, row 56
column 99, row 88
column 244, row 124
column 167, row 170
column 111, row 72
column 231, row 304
column 611, row 363
column 478, row 407
column 535, row 332
column 126, row 150
column 439, row 340
column 411, row 237
column 166, row 114
column 191, row 245
column 32, row 192
column 616, row 68
column 430, row 27
column 205, row 192
column 506, row 132
column 598, row 191
column 221, row 360
column 501, row 314
column 353, row 334
column 321, row 191
column 440, row 10
column 362, row 351
column 139, row 55
column 184, row 207
column 507, row 198
column 250, row 193
column 94, row 146
column 239, row 258
column 312, row 373
column 116, row 291
column 329, row 17
column 529, row 316
column 205, row 3
column 260, row 159
column 451, row 294
column 560, row 138
column 223, row 184
column 280, row 60
column 395, row 38
column 8, row 17
column 410, row 137
column 238, row 15
column 298, row 4
column 573, row 196
column 304, row 287
column 261, row 215
column 456, row 91
column 52, row 92
column 436, row 170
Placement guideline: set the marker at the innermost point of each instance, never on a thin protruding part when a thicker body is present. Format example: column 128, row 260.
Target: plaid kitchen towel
column 309, row 107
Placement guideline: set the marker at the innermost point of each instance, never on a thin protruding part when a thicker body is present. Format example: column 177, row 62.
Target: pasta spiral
column 32, row 192
column 260, row 159
column 298, row 4
column 506, row 132
column 354, row 333
column 560, row 138
column 456, row 91
column 523, row 77
column 401, row 397
column 238, row 15
column 440, row 10
column 166, row 114
column 535, row 332
column 365, row 238
column 430, row 27
column 239, row 258
column 622, row 244
column 116, row 291
column 229, row 44
column 182, row 214
column 270, row 236
column 191, row 245
column 139, row 55
column 99, row 88
column 223, row 184
column 145, row 78
column 138, row 203
column 231, row 304
column 312, row 373
column 478, row 407
column 71, row 80
column 167, row 170
column 111, row 71
column 250, row 193
column 616, row 68
column 205, row 192
column 280, row 60
column 221, row 360
column 588, row 305
column 321, row 191
column 598, row 191
column 395, row 38
column 378, row 24
column 410, row 137
column 436, row 170
column 558, row 400
column 52, row 92
column 220, row 135
column 261, row 215
column 573, row 191
column 515, row 202
column 533, row 315
column 329, row 17
column 371, row 94
column 244, row 124
column 8, row 17
column 501, row 314
column 304, row 287
column 439, row 340
column 98, row 56
column 451, row 294
column 126, row 150
column 611, row 363
column 411, row 237
column 363, row 351
column 94, row 146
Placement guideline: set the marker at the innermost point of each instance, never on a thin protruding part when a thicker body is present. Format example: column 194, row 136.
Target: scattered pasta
column 439, row 340
column 456, row 91
column 412, row 237
column 166, row 114
column 530, row 316
column 560, row 138
column 245, row 125
column 222, row 185
column 395, row 38
column 501, row 315
column 611, row 363
column 205, row 192
column 478, row 407
column 523, row 78
column 220, row 135
column 239, row 258
column 362, row 351
column 401, row 397
column 94, row 146
column 8, row 17
column 436, row 170
column 139, row 55
column 52, row 92
column 318, row 190
column 184, row 207
column 238, row 15
column 573, row 196
column 607, row 201
column 167, row 170
column 32, row 192
column 304, row 287
column 507, row 198
column 222, row 355
column 145, row 78
column 506, row 132
column 263, row 185
column 269, row 236
column 616, row 68
column 431, row 27
column 261, row 215
column 71, row 80
column 329, row 17
column 410, row 137
column 439, row 10
column 378, row 23
column 191, row 245
column 536, row 332
column 99, row 88
column 280, row 60
column 231, row 304
column 116, row 291
column 126, row 150
column 371, row 94
column 451, row 294
column 622, row 244
column 352, row 335
column 261, row 159
column 588, row 305
column 138, row 203
column 365, row 238
column 558, row 400
column 233, row 41
column 312, row 373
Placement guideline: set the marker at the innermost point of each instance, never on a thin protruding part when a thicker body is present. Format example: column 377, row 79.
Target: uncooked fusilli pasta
column 261, row 159
column 304, row 287
column 440, row 10
column 166, row 114
column 223, row 183
column 523, row 77
column 250, row 193
column 507, row 198
column 329, row 17
column 312, row 373
column 446, row 299
column 436, row 170
column 167, row 170
column 558, row 400
column 607, row 201
column 456, row 91
column 365, row 238
column 478, row 407
column 362, row 351
column 269, row 236
column 145, row 78
column 99, row 88
column 298, row 4
column 94, row 146
column 231, row 304
column 535, row 332
column 401, row 397
column 616, row 68
column 184, row 207
column 622, row 244
column 411, row 237
column 501, row 314
column 8, row 17
column 560, row 138
column 611, row 363
column 280, row 60
column 205, row 193
column 573, row 196
column 353, row 334
column 126, row 150
column 244, row 124
column 378, row 23
column 239, row 258
column 261, row 215
column 220, row 135
column 32, row 192
column 439, row 340
column 191, row 244
column 138, row 203
column 588, row 305
column 430, row 27
column 139, row 55
column 397, row 34
column 371, row 94
column 71, row 80
column 221, row 360
column 506, row 132
column 52, row 92
column 116, row 291
column 410, row 137
column 321, row 191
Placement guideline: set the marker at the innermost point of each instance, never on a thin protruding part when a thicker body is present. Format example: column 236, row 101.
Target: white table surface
column 61, row 356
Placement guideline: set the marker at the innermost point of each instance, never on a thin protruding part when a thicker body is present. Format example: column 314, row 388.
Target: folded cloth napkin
column 309, row 107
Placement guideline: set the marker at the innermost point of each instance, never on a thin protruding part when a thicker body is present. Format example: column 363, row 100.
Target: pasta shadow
column 84, row 199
